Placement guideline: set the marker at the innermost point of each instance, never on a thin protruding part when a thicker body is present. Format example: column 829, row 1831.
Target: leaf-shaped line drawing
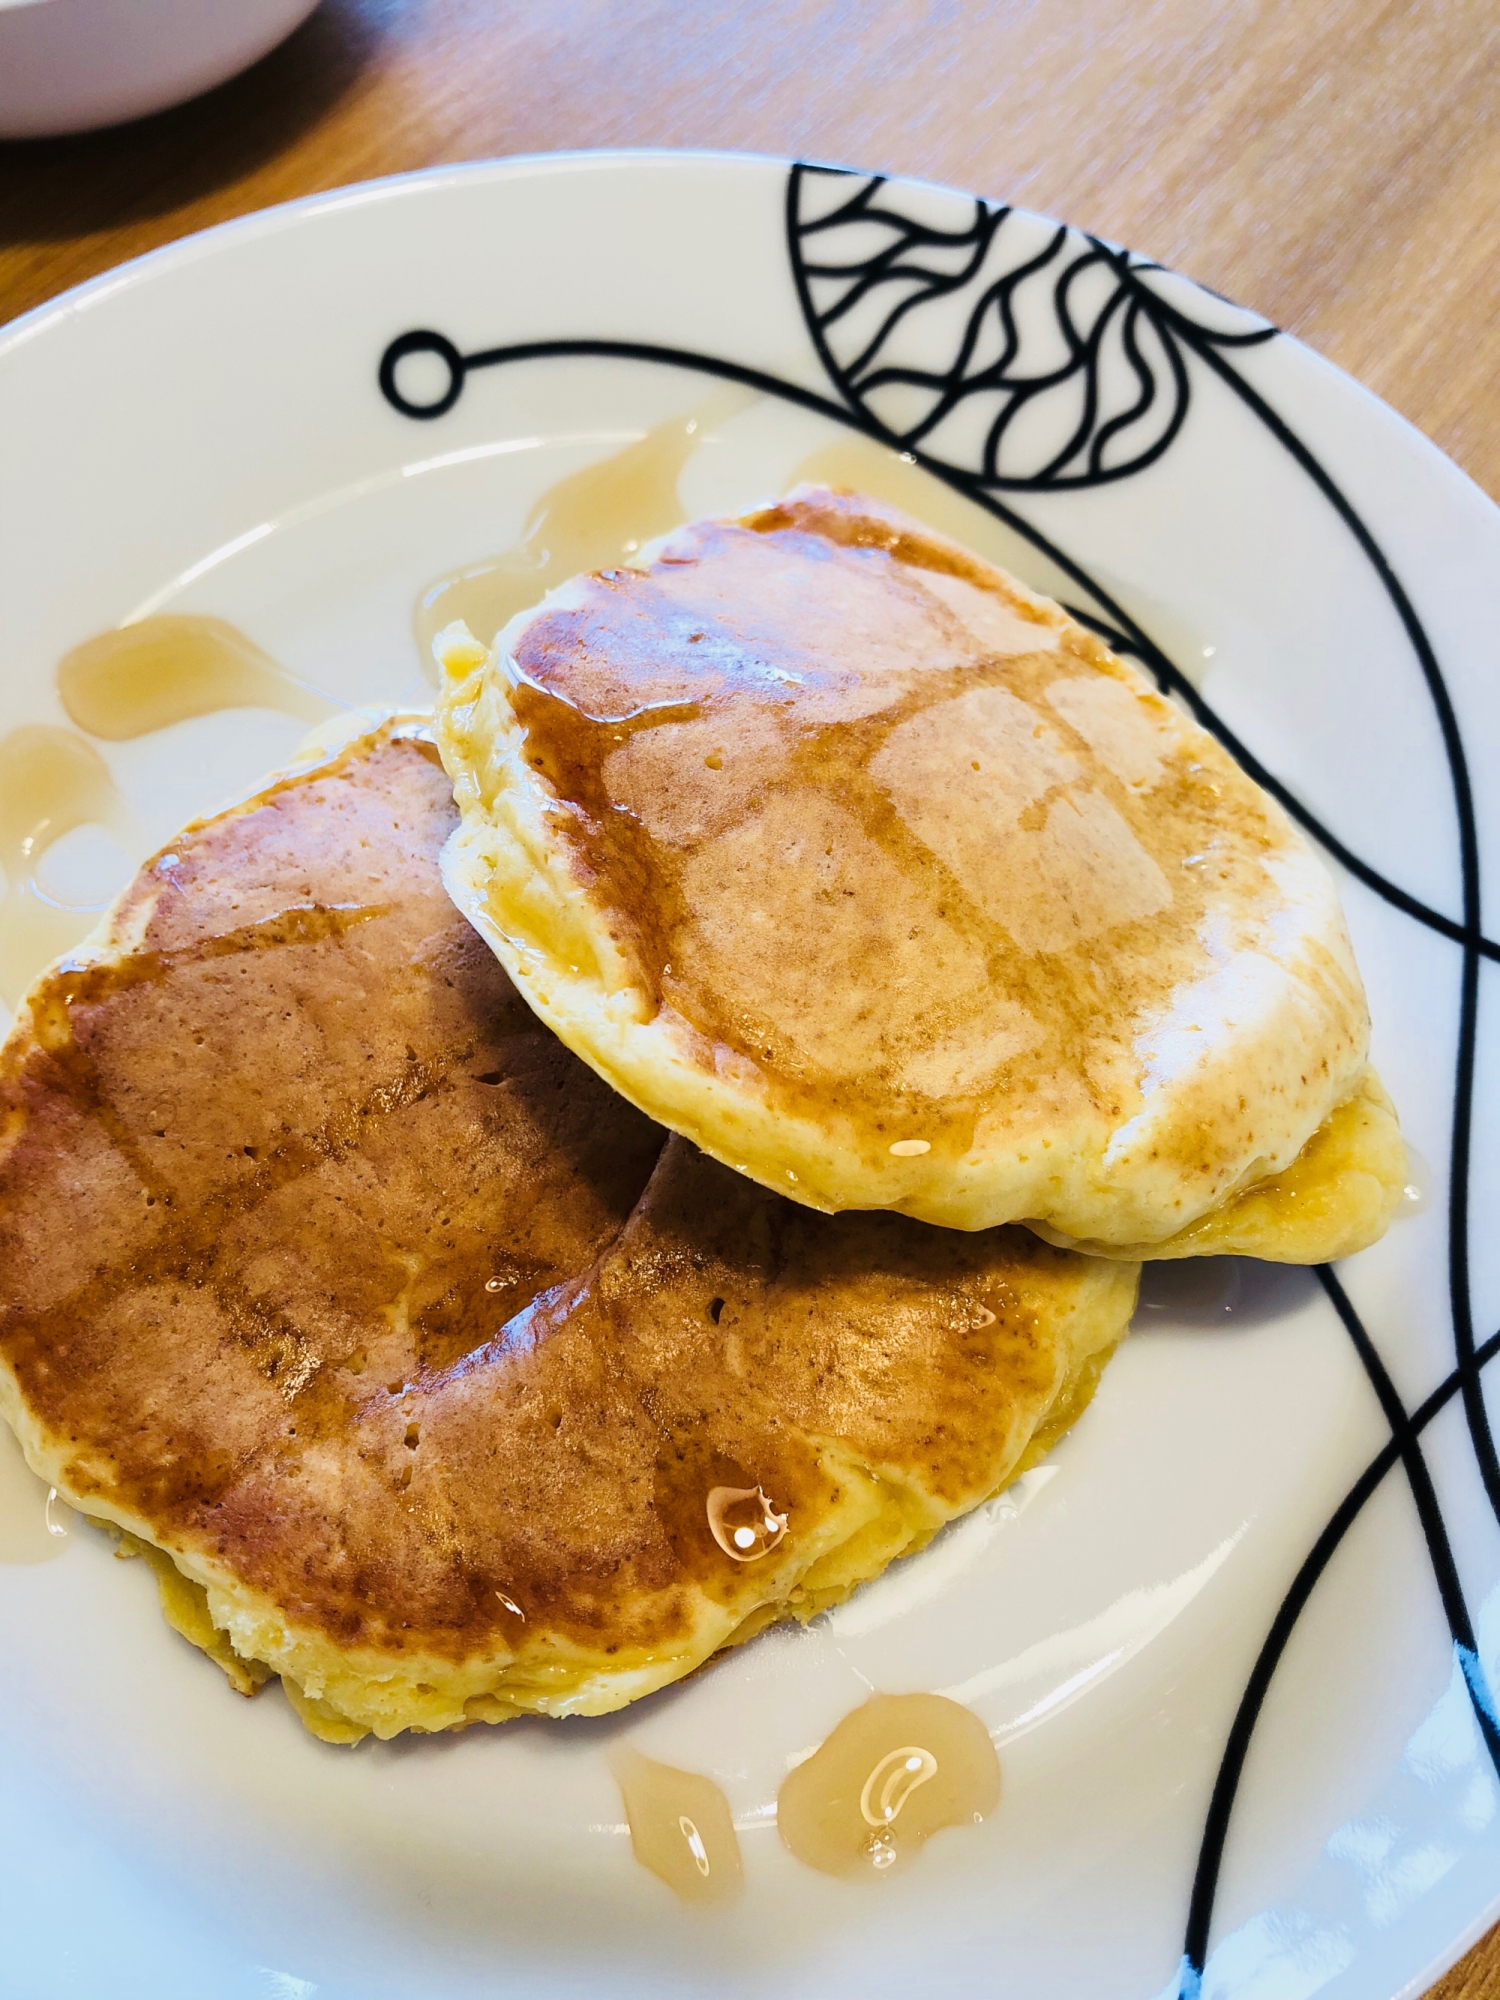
column 1066, row 363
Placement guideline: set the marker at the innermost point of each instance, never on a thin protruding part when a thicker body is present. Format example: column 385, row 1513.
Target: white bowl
column 74, row 65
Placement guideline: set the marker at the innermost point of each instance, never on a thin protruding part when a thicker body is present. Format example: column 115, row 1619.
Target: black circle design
column 422, row 342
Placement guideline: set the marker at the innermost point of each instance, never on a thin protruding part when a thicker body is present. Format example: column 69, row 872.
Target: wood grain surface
column 1334, row 163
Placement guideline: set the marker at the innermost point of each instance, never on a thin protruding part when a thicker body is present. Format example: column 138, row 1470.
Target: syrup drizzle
column 601, row 515
column 891, row 1775
column 680, row 1828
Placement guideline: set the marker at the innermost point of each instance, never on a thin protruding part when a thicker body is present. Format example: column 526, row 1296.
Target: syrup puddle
column 899, row 481
column 605, row 513
column 892, row 1774
column 680, row 1828
column 168, row 669
column 593, row 518
column 35, row 1525
column 68, row 841
column 52, row 784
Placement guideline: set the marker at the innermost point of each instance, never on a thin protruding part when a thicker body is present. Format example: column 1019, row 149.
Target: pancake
column 426, row 1372
column 883, row 881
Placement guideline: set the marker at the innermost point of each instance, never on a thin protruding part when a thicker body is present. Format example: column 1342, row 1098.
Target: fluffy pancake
column 425, row 1377
column 886, row 883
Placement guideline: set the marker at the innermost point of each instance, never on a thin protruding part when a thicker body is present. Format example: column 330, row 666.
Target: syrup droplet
column 35, row 1525
column 680, row 1828
column 744, row 1523
column 511, row 1605
column 1416, row 1195
column 892, row 1774
column 585, row 522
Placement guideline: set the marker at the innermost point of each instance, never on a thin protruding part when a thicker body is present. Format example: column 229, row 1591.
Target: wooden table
column 1335, row 163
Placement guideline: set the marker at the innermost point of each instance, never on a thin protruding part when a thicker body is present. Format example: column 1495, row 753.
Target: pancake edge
column 342, row 1694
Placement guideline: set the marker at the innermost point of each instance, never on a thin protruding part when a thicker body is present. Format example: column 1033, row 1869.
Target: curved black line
column 1429, row 1513
column 1465, row 1376
column 1120, row 629
column 1237, row 1745
column 1145, row 396
column 1014, row 281
column 932, row 286
column 1171, row 678
column 1256, row 337
column 858, row 379
column 869, row 186
column 954, row 375
column 810, row 318
column 954, row 385
column 1476, row 1414
column 886, row 267
column 1088, row 367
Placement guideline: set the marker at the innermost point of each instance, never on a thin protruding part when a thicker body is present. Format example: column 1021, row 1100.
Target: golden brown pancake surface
column 326, row 1270
column 881, row 879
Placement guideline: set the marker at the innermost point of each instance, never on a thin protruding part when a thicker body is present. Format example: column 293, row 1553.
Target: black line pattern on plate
column 1237, row 1745
column 1116, row 624
column 874, row 270
column 892, row 256
column 1067, row 368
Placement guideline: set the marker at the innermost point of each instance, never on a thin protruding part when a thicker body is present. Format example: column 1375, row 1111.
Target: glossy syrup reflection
column 593, row 518
column 680, row 1828
column 891, row 1775
column 744, row 1523
column 35, row 1525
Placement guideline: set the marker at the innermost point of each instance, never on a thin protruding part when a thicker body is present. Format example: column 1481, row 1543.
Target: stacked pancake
column 468, row 1332
column 881, row 879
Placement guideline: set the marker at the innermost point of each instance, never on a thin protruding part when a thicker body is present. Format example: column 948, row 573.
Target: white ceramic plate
column 1233, row 1640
